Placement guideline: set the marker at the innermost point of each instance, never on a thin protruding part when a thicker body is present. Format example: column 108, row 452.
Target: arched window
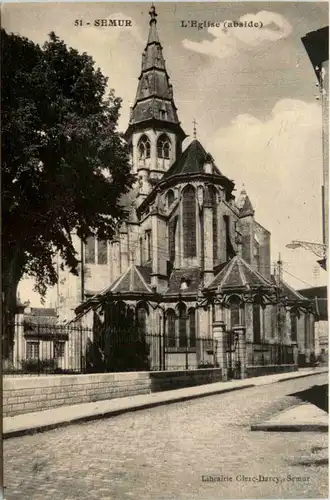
column 256, row 323
column 212, row 198
column 182, row 325
column 144, row 147
column 192, row 327
column 293, row 321
column 170, row 328
column 189, row 222
column 141, row 316
column 163, row 147
column 234, row 307
column 90, row 254
column 171, row 238
column 169, row 197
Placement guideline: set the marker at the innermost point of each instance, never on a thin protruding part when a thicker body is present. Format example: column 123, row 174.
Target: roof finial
column 195, row 132
column 153, row 14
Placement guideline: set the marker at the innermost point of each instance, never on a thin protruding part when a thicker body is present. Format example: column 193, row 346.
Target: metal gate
column 233, row 358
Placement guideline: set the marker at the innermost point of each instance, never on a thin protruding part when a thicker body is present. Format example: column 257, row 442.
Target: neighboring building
column 319, row 295
column 37, row 337
column 317, row 46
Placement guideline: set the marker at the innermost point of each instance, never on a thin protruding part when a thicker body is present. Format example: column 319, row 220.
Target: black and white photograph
column 165, row 201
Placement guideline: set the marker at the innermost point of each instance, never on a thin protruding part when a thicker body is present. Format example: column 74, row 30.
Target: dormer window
column 144, row 148
column 185, row 282
column 163, row 147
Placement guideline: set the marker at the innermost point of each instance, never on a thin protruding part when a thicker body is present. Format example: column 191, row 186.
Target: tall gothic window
column 149, row 247
column 163, row 147
column 192, row 327
column 90, row 250
column 96, row 251
column 182, row 325
column 212, row 196
column 189, row 222
column 234, row 307
column 169, row 197
column 170, row 328
column 144, row 147
column 256, row 323
column 171, row 238
column 293, row 321
column 141, row 316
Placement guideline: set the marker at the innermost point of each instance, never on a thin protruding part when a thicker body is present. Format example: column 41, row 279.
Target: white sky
column 252, row 91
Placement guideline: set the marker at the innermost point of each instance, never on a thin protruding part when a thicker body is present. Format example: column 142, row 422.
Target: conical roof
column 192, row 161
column 238, row 274
column 154, row 96
column 244, row 204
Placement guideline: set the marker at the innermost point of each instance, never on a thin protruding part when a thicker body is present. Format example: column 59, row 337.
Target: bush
column 39, row 366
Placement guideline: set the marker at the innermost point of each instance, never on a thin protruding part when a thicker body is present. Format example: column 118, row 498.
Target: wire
column 296, row 277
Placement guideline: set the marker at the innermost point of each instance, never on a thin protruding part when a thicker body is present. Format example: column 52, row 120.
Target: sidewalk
column 302, row 418
column 30, row 423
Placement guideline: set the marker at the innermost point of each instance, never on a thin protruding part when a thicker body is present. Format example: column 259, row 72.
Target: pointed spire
column 154, row 97
column 153, row 35
column 195, row 132
column 244, row 204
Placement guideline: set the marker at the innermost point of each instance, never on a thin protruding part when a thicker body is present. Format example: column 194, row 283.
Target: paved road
column 173, row 453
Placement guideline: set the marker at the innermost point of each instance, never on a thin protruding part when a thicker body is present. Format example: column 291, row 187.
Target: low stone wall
column 27, row 394
column 165, row 381
column 257, row 371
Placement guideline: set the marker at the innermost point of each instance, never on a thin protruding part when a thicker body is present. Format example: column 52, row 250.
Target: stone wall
column 27, row 394
column 165, row 381
column 258, row 371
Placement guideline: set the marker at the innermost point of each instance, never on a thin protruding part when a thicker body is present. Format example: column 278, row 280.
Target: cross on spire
column 195, row 132
column 153, row 14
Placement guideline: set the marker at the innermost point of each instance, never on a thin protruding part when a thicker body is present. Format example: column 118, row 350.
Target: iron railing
column 42, row 349
column 265, row 354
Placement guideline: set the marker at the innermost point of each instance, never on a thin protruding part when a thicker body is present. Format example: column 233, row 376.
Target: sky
column 252, row 92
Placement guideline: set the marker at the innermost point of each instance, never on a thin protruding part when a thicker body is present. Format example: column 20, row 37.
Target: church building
column 191, row 258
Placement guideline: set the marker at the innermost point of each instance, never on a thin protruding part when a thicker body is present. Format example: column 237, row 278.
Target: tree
column 65, row 166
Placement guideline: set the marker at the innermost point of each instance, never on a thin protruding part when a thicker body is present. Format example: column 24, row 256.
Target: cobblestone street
column 164, row 452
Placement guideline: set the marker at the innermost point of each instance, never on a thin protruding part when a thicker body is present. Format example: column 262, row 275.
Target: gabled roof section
column 238, row 274
column 192, row 277
column 132, row 280
column 192, row 161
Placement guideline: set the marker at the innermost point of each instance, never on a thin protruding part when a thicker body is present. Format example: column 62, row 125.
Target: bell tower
column 154, row 132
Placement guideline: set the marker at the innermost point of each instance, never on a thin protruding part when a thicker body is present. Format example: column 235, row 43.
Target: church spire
column 154, row 97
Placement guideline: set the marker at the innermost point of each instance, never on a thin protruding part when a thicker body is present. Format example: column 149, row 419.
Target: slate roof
column 238, row 274
column 136, row 279
column 41, row 316
column 320, row 296
column 154, row 94
column 291, row 294
column 191, row 275
column 191, row 161
column 244, row 204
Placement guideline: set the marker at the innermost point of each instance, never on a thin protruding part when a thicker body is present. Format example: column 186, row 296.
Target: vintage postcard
column 164, row 250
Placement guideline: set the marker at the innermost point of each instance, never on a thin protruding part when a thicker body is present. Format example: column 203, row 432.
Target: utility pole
column 82, row 271
column 279, row 271
column 2, row 487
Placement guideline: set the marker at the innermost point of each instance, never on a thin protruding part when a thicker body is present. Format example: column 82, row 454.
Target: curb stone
column 143, row 406
column 114, row 413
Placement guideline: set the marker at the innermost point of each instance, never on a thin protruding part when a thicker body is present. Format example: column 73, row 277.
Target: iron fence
column 265, row 354
column 41, row 349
